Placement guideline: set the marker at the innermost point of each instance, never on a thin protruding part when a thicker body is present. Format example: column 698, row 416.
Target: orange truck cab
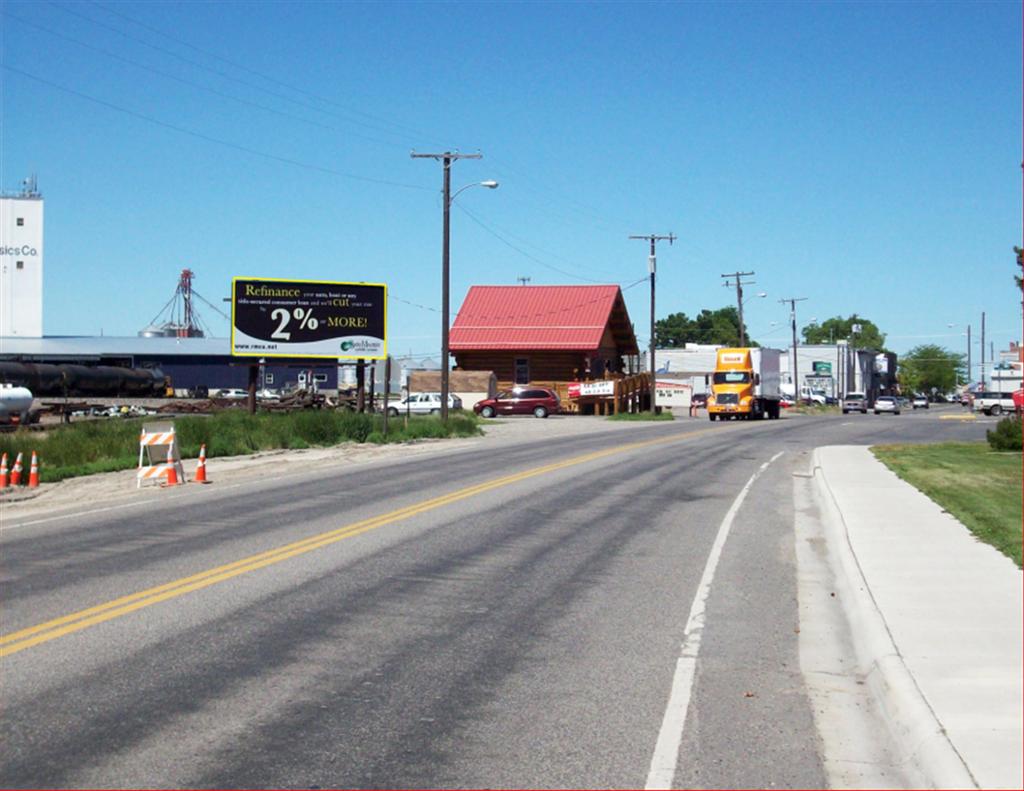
column 745, row 385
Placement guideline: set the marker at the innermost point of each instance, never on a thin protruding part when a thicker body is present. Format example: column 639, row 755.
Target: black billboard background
column 253, row 315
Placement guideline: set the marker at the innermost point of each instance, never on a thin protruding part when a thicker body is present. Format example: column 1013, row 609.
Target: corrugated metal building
column 190, row 362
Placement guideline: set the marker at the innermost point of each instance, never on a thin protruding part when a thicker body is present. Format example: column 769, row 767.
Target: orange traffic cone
column 172, row 472
column 33, row 473
column 16, row 472
column 201, row 467
column 3, row 472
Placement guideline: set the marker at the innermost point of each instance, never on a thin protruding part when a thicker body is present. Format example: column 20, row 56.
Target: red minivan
column 525, row 400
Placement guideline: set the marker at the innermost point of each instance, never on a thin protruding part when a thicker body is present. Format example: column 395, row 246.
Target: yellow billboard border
column 383, row 286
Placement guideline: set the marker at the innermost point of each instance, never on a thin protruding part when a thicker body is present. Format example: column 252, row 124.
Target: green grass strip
column 980, row 487
column 112, row 444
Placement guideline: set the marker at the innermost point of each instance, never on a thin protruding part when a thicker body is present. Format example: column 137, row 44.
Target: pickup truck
column 991, row 403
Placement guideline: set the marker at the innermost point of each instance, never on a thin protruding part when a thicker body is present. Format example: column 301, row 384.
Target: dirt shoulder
column 113, row 487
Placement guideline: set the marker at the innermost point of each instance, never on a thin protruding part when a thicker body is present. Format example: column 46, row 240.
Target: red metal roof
column 536, row 317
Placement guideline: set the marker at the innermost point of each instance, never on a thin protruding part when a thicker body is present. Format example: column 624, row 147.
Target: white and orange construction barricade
column 159, row 460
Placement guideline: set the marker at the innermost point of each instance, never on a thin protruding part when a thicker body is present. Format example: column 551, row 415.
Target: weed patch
column 109, row 445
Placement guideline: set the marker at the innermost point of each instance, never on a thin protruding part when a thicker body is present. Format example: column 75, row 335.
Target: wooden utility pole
column 652, row 266
column 968, row 356
column 446, row 158
column 740, row 283
column 983, row 350
column 792, row 317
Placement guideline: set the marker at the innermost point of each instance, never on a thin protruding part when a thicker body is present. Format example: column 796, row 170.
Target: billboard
column 308, row 318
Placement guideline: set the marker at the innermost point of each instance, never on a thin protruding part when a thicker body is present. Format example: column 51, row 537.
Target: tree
column 928, row 366
column 1020, row 262
column 838, row 328
column 721, row 327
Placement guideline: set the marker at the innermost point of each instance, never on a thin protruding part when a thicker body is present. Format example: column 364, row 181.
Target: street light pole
column 652, row 265
column 447, row 158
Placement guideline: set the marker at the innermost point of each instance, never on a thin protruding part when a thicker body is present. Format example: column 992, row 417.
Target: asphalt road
column 510, row 615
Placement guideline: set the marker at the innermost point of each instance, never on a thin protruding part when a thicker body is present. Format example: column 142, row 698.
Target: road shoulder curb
column 920, row 741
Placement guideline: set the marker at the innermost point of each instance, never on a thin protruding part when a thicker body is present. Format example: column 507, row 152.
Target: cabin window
column 522, row 371
column 268, row 379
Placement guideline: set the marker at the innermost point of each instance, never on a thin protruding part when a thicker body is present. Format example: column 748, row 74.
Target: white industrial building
column 21, row 263
column 836, row 369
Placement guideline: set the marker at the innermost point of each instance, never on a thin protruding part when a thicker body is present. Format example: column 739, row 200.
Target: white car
column 422, row 404
column 887, row 404
column 920, row 402
column 236, row 393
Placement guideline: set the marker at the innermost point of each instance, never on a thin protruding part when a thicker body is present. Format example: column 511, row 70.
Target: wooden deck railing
column 632, row 393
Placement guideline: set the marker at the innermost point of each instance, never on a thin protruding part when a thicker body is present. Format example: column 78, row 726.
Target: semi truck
column 745, row 385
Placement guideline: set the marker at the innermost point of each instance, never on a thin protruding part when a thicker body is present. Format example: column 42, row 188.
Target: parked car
column 234, row 393
column 699, row 400
column 920, row 402
column 539, row 401
column 992, row 403
column 855, row 402
column 423, row 404
column 887, row 404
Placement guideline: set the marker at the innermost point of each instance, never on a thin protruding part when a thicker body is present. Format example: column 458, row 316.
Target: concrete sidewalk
column 938, row 619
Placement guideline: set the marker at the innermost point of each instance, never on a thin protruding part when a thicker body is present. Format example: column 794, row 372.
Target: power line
column 224, row 75
column 261, row 75
column 519, row 250
column 168, row 75
column 211, row 139
column 510, row 316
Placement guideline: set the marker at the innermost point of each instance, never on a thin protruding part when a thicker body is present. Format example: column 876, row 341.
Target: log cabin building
column 544, row 335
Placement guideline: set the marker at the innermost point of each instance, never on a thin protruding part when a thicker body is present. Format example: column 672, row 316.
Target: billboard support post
column 387, row 391
column 254, row 370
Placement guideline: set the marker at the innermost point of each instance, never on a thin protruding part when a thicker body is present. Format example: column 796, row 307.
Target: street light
column 445, row 308
column 446, row 159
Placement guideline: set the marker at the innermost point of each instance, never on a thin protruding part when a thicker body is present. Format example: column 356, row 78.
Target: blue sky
column 866, row 156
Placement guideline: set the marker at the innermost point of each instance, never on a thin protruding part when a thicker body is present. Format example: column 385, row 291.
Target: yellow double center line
column 76, row 621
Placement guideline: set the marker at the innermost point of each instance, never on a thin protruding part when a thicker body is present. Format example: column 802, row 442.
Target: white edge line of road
column 670, row 737
column 920, row 740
